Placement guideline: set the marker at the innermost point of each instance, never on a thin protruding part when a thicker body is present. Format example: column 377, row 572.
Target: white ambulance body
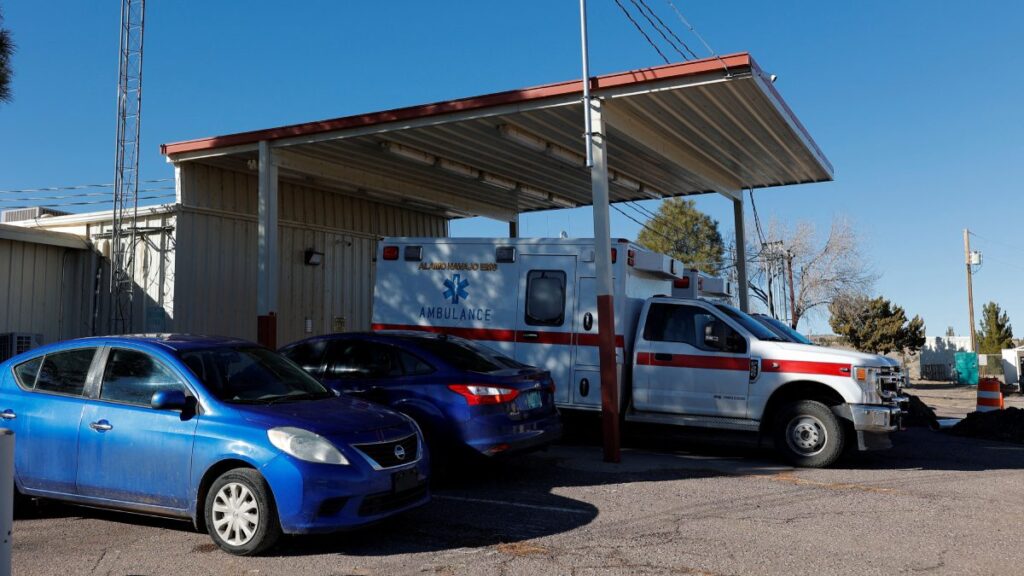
column 684, row 355
column 532, row 299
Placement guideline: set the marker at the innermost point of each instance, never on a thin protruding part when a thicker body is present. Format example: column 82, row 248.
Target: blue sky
column 917, row 104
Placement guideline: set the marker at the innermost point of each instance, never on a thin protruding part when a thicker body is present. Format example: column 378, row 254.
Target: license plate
column 532, row 400
column 405, row 480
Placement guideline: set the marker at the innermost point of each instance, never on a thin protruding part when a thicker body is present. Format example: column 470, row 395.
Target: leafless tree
column 820, row 268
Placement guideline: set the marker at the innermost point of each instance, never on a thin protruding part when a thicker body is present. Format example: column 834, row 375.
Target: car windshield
column 464, row 355
column 783, row 330
column 750, row 324
column 251, row 375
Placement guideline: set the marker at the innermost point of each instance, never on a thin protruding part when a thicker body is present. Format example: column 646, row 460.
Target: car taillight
column 391, row 252
column 683, row 282
column 615, row 255
column 479, row 395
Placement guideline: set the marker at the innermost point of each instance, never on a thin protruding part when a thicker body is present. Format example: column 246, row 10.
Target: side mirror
column 168, row 400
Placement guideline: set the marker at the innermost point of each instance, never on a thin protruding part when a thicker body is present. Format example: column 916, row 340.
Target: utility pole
column 792, row 292
column 970, row 288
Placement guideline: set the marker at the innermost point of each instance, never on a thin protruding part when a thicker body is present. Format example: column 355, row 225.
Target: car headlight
column 305, row 445
column 867, row 377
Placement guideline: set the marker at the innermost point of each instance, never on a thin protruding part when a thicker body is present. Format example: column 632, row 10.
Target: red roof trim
column 735, row 62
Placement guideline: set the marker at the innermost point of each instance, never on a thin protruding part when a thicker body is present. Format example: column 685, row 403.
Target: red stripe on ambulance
column 804, row 367
column 496, row 335
column 695, row 361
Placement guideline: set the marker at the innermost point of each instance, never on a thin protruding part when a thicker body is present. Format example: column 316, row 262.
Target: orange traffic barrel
column 990, row 395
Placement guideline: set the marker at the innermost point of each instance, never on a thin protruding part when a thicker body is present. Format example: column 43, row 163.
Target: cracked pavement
column 677, row 504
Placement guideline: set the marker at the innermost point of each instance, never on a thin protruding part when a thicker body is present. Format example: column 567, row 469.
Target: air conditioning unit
column 14, row 343
column 34, row 213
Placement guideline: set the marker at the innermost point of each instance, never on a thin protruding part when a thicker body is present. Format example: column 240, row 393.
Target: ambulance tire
column 808, row 434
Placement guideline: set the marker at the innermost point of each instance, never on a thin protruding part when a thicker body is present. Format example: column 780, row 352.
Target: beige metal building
column 196, row 265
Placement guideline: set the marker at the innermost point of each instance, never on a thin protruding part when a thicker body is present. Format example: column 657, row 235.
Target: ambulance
column 685, row 356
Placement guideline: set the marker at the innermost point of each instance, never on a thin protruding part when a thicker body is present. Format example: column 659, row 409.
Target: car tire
column 240, row 513
column 808, row 434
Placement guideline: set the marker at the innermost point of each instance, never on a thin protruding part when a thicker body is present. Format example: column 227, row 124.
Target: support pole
column 513, row 227
column 741, row 254
column 605, row 302
column 970, row 286
column 267, row 279
column 588, row 123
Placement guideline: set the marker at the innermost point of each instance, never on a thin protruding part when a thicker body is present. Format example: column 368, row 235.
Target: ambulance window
column 675, row 323
column 545, row 298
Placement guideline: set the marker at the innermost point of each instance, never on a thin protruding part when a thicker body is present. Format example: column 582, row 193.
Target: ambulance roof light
column 391, row 252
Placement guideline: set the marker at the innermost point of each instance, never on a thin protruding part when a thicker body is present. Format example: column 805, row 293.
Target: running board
column 697, row 421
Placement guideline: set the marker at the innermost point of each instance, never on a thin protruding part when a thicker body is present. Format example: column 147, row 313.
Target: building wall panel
column 39, row 290
column 216, row 267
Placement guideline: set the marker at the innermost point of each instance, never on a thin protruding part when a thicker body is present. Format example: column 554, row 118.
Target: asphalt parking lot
column 935, row 503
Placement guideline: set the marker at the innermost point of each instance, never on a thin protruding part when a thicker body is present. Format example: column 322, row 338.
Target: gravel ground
column 676, row 505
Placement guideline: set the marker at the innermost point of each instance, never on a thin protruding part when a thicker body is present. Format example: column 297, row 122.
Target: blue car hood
column 328, row 417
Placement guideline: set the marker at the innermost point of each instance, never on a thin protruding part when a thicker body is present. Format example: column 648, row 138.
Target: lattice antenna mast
column 126, row 166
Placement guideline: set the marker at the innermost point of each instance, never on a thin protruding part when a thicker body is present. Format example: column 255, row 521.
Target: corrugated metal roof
column 700, row 126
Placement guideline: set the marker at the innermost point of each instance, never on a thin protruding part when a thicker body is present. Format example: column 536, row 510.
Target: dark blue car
column 462, row 394
column 223, row 432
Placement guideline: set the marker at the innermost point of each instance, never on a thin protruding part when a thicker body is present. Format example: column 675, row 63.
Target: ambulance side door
column 545, row 322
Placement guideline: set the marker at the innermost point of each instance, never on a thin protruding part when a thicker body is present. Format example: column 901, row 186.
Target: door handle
column 101, row 426
column 531, row 335
column 8, row 414
column 662, row 356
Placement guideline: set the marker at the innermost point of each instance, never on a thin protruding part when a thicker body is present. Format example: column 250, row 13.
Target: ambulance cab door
column 545, row 321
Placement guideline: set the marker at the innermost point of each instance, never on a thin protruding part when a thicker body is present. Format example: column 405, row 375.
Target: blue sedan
column 465, row 396
column 222, row 432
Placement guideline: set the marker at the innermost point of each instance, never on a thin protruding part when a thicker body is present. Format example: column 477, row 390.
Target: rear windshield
column 251, row 375
column 751, row 325
column 463, row 354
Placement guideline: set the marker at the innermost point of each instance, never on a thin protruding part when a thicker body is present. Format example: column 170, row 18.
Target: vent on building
column 14, row 343
column 32, row 213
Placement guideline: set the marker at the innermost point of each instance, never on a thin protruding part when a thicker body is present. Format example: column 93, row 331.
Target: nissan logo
column 399, row 451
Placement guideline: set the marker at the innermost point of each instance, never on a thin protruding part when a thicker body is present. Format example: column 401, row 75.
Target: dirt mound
column 919, row 414
column 1006, row 425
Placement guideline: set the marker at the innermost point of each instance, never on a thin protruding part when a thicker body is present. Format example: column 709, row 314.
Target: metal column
column 268, row 266
column 741, row 253
column 605, row 302
column 513, row 227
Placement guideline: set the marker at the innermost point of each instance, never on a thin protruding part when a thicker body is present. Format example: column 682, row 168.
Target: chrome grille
column 890, row 381
column 385, row 454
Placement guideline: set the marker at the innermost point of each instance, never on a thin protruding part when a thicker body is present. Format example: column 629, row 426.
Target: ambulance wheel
column 808, row 434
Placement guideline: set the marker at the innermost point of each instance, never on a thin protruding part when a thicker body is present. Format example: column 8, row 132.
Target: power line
column 77, row 187
column 81, row 195
column 722, row 266
column 668, row 29
column 640, row 5
column 1001, row 242
column 697, row 34
column 641, row 31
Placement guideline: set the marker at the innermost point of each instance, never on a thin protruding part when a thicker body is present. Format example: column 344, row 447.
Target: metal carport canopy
column 712, row 125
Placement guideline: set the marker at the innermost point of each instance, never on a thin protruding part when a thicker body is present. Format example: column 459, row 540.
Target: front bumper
column 875, row 418
column 313, row 498
column 873, row 422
